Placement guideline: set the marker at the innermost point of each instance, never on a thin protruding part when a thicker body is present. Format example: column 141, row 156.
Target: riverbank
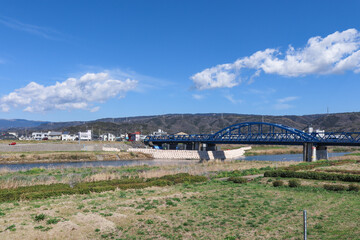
column 64, row 157
column 10, row 178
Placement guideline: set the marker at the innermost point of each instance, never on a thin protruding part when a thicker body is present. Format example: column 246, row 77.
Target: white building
column 66, row 136
column 85, row 136
column 159, row 133
column 13, row 133
column 54, row 135
column 108, row 137
column 39, row 135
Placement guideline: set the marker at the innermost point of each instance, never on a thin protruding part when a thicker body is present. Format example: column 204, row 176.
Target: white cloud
column 198, row 96
column 336, row 53
column 231, row 98
column 283, row 103
column 287, row 99
column 73, row 93
column 32, row 29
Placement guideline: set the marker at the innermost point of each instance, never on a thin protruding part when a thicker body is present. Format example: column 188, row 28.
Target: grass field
column 211, row 210
column 215, row 209
column 11, row 179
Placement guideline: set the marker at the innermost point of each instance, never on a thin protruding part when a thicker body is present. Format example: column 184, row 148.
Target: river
column 155, row 162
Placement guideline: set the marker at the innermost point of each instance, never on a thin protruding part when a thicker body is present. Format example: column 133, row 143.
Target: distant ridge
column 189, row 123
column 19, row 123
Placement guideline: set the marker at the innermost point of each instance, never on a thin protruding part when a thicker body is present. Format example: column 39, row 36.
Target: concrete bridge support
column 211, row 147
column 173, row 146
column 189, row 146
column 321, row 153
column 308, row 152
column 312, row 153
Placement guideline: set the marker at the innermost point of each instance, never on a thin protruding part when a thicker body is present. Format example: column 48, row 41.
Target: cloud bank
column 336, row 53
column 73, row 93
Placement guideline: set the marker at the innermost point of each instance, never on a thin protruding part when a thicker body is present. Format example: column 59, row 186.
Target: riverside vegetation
column 170, row 202
column 70, row 156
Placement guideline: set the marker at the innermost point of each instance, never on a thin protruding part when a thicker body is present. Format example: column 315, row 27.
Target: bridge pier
column 321, row 153
column 308, row 152
column 312, row 153
column 211, row 147
column 173, row 146
column 189, row 146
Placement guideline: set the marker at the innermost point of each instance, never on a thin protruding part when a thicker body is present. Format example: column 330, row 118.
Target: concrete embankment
column 192, row 154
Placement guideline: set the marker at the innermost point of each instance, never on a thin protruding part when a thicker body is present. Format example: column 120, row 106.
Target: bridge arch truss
column 261, row 133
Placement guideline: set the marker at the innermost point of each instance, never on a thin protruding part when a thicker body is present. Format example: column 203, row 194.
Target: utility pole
column 305, row 227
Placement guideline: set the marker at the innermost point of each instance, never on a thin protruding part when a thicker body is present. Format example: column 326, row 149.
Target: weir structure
column 314, row 144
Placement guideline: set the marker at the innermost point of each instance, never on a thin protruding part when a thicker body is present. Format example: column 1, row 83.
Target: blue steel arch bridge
column 314, row 144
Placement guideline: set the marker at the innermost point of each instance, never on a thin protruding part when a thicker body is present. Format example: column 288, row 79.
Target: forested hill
column 203, row 123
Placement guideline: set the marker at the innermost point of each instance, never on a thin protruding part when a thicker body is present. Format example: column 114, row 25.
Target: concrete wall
column 192, row 154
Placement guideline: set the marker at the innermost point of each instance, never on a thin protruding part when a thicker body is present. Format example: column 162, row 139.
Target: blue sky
column 84, row 60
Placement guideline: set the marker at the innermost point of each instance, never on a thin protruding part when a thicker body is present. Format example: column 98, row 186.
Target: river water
column 155, row 162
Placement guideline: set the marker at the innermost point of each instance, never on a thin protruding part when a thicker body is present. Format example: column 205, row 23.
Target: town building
column 14, row 133
column 107, row 137
column 159, row 133
column 39, row 136
column 54, row 135
column 66, row 136
column 7, row 136
column 134, row 136
column 85, row 136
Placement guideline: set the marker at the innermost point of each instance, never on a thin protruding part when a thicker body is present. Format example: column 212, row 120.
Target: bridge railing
column 180, row 138
column 334, row 137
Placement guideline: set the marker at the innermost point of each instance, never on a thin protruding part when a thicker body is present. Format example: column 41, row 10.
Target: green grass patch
column 46, row 191
column 238, row 173
column 321, row 163
column 313, row 175
column 237, row 180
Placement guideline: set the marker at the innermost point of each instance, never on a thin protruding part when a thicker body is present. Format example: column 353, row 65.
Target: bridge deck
column 262, row 133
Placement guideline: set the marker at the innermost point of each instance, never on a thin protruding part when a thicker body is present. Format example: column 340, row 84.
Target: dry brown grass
column 206, row 168
column 109, row 173
column 310, row 182
column 353, row 166
column 347, row 157
column 81, row 215
column 7, row 158
column 275, row 151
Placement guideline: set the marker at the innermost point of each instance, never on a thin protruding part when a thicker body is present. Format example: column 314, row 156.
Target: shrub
column 353, row 187
column 39, row 217
column 11, row 228
column 334, row 187
column 313, row 175
column 278, row 183
column 149, row 221
column 237, row 179
column 53, row 221
column 294, row 183
column 46, row 191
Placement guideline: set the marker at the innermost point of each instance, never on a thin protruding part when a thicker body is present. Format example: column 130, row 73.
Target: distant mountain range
column 19, row 123
column 189, row 123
